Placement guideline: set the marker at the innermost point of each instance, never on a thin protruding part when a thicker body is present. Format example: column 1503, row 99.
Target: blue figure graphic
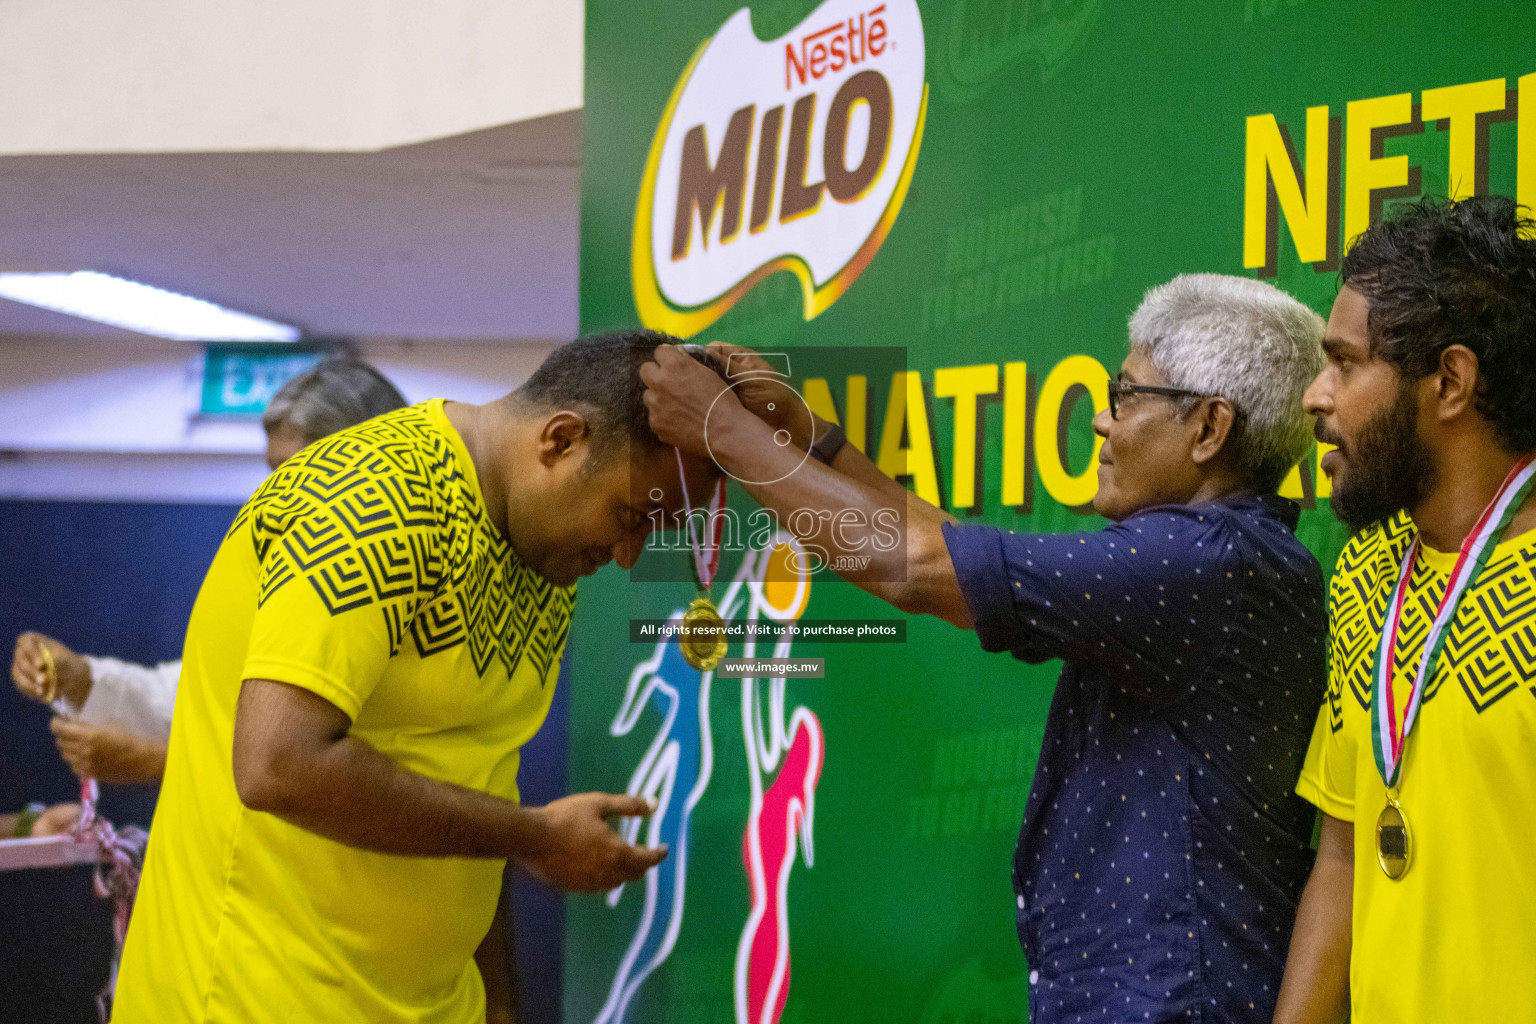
column 674, row 772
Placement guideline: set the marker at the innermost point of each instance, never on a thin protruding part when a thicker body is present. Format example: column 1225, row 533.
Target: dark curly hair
column 1438, row 274
column 599, row 377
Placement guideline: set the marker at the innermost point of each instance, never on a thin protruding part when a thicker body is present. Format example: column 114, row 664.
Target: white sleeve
column 135, row 698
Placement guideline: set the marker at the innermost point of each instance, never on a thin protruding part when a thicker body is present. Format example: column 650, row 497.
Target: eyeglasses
column 1119, row 389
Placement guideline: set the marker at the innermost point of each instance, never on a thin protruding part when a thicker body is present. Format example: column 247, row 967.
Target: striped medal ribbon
column 122, row 853
column 1386, row 738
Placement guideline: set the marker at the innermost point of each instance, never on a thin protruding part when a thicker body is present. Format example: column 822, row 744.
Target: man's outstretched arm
column 845, row 511
column 1315, row 989
column 295, row 757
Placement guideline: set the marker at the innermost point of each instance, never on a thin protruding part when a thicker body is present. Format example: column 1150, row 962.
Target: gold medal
column 703, row 634
column 1394, row 841
column 703, row 637
column 50, row 674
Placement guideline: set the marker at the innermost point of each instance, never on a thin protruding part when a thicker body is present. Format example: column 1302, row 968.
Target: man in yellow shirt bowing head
column 379, row 634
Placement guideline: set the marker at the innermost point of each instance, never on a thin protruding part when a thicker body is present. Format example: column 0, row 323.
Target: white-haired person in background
column 1163, row 851
column 123, row 710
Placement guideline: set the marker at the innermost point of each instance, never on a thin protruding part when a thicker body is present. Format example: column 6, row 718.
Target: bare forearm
column 349, row 792
column 877, row 534
column 856, row 466
column 1315, row 989
column 295, row 757
column 127, row 760
column 151, row 762
column 809, row 498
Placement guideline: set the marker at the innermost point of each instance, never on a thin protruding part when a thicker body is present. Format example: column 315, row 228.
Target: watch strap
column 826, row 449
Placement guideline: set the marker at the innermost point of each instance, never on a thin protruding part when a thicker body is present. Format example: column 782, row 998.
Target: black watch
column 825, row 450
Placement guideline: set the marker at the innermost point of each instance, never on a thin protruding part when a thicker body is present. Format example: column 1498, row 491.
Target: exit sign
column 239, row 380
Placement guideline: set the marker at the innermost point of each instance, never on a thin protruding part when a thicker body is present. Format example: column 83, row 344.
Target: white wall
column 100, row 76
column 87, row 420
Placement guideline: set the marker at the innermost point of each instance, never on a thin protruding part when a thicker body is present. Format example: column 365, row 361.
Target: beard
column 1388, row 468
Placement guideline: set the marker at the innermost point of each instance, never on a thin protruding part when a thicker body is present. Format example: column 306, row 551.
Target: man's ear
column 1214, row 420
column 1455, row 382
column 565, row 434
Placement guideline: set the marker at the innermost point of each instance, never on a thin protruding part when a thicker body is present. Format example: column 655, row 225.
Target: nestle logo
column 835, row 47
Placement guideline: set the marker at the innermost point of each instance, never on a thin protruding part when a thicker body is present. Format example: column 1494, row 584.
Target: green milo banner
column 938, row 214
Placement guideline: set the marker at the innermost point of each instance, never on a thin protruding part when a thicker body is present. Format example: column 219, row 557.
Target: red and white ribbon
column 706, row 559
column 116, row 877
column 1386, row 738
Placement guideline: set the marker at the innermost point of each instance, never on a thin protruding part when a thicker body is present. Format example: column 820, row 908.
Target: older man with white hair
column 1163, row 851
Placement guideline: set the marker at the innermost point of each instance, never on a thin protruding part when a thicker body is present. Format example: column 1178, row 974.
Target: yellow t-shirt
column 365, row 570
column 1454, row 939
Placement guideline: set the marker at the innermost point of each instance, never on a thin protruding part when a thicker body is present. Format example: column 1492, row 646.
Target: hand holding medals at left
column 49, row 672
column 45, row 670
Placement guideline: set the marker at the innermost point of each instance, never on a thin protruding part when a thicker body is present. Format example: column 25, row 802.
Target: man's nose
column 1318, row 399
column 627, row 551
column 1101, row 422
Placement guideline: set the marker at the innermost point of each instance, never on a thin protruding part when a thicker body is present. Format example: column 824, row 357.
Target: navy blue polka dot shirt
column 1163, row 849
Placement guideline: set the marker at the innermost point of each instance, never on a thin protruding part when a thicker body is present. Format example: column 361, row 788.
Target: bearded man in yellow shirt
column 378, row 635
column 1418, row 910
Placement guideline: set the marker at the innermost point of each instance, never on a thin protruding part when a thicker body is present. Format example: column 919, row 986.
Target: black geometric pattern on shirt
column 1490, row 648
column 1358, row 596
column 1522, row 648
column 528, row 618
column 381, row 515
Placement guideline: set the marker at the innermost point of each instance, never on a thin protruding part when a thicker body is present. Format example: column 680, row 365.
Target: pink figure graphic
column 780, row 818
column 768, row 849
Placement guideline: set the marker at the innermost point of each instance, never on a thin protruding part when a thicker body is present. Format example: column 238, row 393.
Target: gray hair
column 332, row 395
column 1248, row 342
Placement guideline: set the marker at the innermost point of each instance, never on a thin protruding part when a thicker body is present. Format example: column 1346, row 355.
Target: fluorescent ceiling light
column 140, row 307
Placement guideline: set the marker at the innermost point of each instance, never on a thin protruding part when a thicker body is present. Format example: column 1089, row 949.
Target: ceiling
column 468, row 237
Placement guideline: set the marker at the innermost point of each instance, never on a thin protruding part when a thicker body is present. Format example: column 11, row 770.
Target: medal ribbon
column 122, row 854
column 116, row 877
column 1387, row 739
column 704, row 565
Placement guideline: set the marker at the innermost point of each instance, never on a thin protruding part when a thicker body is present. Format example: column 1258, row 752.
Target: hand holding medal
column 63, row 706
column 55, row 692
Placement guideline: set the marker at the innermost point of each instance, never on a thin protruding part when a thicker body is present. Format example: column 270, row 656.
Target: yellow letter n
column 1307, row 199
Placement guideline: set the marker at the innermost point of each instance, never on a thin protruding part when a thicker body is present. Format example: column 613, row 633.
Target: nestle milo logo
column 790, row 154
